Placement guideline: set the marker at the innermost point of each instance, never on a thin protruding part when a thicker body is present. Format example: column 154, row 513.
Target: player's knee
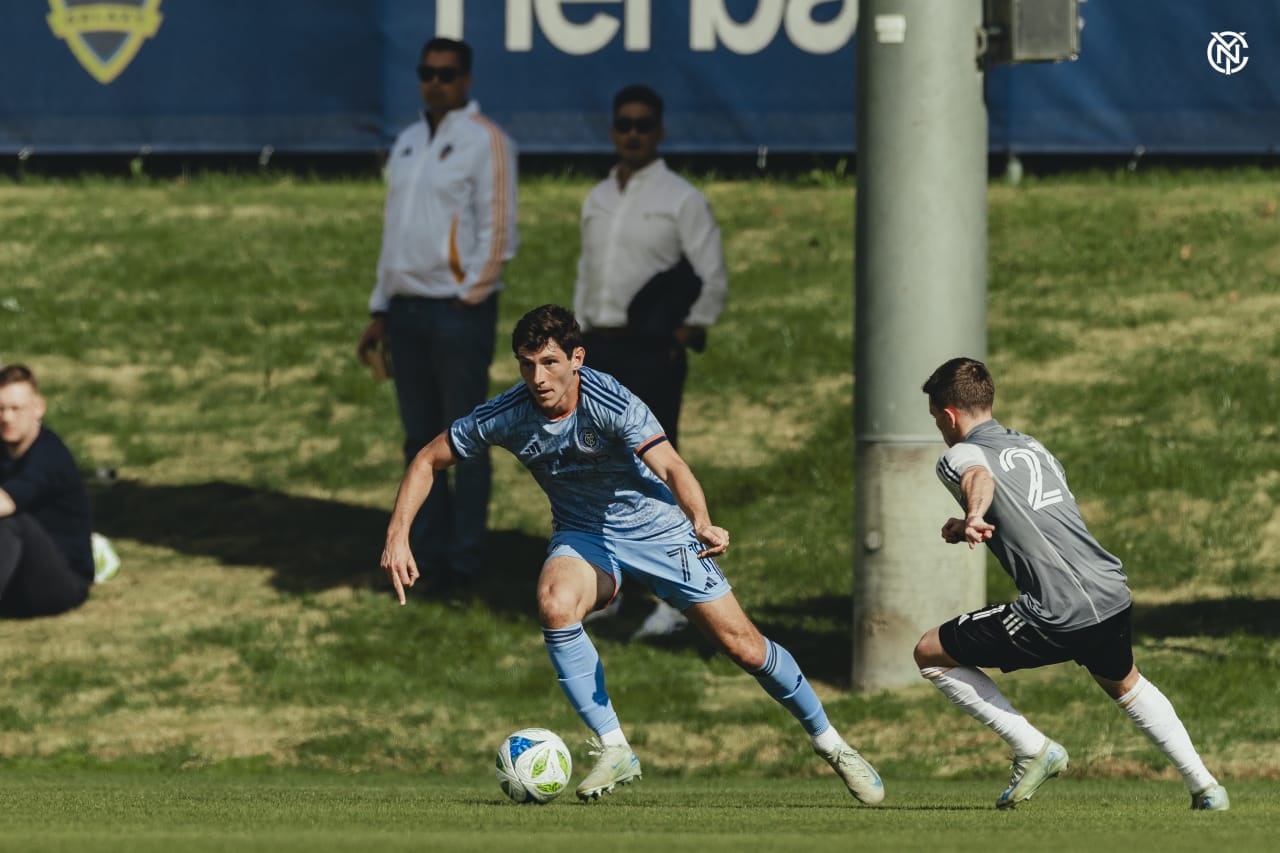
column 747, row 650
column 925, row 650
column 748, row 661
column 557, row 606
column 918, row 654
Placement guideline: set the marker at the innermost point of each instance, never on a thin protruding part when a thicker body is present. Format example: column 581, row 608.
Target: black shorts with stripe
column 995, row 636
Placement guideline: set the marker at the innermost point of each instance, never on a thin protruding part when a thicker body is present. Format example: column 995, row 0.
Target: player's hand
column 953, row 531
column 397, row 561
column 977, row 530
column 715, row 538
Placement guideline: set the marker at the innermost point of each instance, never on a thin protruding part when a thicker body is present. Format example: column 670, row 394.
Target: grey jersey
column 1066, row 579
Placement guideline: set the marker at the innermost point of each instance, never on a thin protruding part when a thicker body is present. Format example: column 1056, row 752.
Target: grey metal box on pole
column 1032, row 30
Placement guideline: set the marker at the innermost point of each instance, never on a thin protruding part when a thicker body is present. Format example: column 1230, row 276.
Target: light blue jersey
column 587, row 461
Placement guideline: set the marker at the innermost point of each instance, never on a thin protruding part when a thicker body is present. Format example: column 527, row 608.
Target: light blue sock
column 581, row 676
column 782, row 679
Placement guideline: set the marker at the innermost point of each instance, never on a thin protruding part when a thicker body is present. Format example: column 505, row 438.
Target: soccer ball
column 534, row 766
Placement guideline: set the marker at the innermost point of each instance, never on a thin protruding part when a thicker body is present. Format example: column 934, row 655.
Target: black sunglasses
column 446, row 74
column 622, row 124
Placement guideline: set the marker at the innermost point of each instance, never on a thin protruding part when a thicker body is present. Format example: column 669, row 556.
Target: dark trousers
column 440, row 354
column 35, row 577
column 652, row 368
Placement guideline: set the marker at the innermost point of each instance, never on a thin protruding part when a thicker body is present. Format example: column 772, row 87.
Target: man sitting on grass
column 1074, row 602
column 623, row 502
column 46, row 562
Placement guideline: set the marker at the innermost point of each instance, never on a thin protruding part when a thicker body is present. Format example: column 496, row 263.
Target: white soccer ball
column 534, row 766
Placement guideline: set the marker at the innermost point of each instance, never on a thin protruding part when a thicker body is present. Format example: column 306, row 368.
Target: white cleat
column 1032, row 771
column 1212, row 799
column 859, row 776
column 616, row 765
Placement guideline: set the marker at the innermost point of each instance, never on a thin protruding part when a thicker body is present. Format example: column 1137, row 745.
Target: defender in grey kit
column 1073, row 602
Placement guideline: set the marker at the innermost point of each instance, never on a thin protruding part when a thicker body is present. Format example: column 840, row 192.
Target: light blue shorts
column 670, row 570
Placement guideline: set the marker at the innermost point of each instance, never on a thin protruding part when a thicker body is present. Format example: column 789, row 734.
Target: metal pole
column 920, row 299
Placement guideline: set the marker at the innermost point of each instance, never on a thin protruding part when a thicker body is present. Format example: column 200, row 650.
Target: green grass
column 198, row 336
column 225, row 811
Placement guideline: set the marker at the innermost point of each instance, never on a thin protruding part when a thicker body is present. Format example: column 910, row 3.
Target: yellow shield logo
column 104, row 37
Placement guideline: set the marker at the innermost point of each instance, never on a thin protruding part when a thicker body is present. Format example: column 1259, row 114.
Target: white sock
column 1154, row 714
column 614, row 738
column 979, row 697
column 827, row 741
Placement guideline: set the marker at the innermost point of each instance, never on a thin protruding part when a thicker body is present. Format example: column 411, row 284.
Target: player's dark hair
column 963, row 383
column 638, row 94
column 460, row 48
column 15, row 373
column 545, row 324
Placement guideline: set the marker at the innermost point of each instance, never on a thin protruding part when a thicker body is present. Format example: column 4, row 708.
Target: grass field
column 313, row 813
column 242, row 680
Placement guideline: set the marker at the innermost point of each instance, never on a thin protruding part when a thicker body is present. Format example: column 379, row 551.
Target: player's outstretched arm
column 671, row 469
column 397, row 558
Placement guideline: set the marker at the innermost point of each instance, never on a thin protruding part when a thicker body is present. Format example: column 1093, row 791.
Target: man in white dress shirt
column 651, row 276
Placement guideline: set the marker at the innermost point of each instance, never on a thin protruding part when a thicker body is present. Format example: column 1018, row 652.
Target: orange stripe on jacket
column 492, row 266
column 455, row 258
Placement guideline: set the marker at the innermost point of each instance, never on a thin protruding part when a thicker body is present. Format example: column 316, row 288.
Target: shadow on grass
column 313, row 544
column 817, row 630
column 1215, row 618
column 310, row 543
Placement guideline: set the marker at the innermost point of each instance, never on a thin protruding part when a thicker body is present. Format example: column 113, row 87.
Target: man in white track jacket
column 450, row 227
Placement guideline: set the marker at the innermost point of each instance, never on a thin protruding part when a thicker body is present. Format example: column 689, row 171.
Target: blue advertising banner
column 1174, row 78
column 83, row 76
column 230, row 75
column 735, row 74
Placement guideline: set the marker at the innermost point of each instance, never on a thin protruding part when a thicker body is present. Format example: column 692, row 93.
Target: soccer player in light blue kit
column 623, row 503
column 1074, row 602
